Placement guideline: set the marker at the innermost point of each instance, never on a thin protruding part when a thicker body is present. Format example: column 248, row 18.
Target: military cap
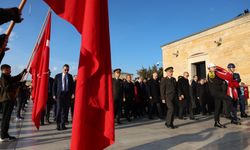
column 169, row 68
column 117, row 69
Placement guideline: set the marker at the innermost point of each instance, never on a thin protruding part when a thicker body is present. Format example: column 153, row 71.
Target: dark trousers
column 47, row 110
column 72, row 106
column 217, row 108
column 54, row 109
column 170, row 110
column 185, row 106
column 7, row 107
column 128, row 108
column 67, row 110
column 155, row 105
column 242, row 103
column 118, row 109
column 228, row 105
column 62, row 102
column 205, row 105
column 20, row 103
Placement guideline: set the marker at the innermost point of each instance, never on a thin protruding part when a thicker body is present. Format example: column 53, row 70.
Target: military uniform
column 168, row 93
column 118, row 96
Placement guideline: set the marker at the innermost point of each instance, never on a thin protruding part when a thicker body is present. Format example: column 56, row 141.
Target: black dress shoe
column 119, row 122
column 217, row 124
column 173, row 127
column 236, row 122
column 244, row 115
column 12, row 138
column 170, row 126
column 150, row 118
column 64, row 128
column 128, row 119
column 182, row 118
column 58, row 128
column 192, row 118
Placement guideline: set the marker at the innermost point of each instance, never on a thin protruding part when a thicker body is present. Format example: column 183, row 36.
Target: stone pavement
column 140, row 134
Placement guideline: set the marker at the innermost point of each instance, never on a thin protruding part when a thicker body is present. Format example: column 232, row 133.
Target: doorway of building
column 199, row 69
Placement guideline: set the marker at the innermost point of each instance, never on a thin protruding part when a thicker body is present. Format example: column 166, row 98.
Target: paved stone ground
column 140, row 134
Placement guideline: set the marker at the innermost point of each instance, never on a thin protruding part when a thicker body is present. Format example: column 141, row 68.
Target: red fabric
column 35, row 62
column 39, row 70
column 246, row 92
column 232, row 84
column 93, row 124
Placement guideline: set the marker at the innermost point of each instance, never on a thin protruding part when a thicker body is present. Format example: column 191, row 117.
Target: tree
column 142, row 72
column 147, row 73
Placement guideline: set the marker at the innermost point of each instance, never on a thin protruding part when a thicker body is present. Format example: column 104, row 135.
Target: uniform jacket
column 168, row 88
column 117, row 89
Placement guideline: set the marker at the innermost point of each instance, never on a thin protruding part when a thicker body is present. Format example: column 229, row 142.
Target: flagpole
column 12, row 24
column 35, row 47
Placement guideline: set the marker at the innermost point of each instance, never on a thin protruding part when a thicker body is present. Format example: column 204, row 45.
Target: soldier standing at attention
column 117, row 94
column 168, row 95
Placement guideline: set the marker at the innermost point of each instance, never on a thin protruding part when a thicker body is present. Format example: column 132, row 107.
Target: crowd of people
column 15, row 93
column 166, row 97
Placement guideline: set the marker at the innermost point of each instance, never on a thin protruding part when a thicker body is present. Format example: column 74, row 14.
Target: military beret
column 117, row 69
column 169, row 68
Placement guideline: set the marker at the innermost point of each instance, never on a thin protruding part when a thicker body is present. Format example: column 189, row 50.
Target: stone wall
column 234, row 37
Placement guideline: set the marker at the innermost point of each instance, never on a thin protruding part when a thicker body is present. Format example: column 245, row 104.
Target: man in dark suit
column 62, row 93
column 129, row 95
column 168, row 95
column 154, row 96
column 117, row 94
column 185, row 97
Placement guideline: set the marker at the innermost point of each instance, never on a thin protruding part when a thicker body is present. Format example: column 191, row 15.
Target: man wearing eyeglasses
column 62, row 93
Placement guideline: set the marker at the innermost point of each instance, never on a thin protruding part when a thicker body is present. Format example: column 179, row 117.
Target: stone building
column 225, row 43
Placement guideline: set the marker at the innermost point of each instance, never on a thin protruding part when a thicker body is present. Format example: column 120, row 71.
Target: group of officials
column 164, row 97
column 170, row 97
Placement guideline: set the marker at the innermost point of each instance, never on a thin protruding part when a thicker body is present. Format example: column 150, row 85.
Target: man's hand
column 181, row 97
column 163, row 101
column 24, row 70
column 54, row 97
column 16, row 15
column 73, row 96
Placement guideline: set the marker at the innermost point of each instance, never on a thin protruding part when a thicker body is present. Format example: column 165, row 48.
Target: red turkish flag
column 93, row 124
column 40, row 74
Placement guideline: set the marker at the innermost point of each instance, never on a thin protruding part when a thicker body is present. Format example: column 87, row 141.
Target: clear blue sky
column 138, row 28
